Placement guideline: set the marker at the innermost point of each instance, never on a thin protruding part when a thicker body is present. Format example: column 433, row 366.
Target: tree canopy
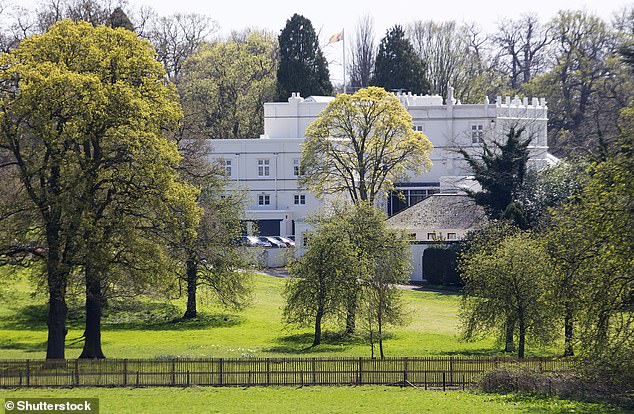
column 83, row 112
column 303, row 67
column 397, row 65
column 361, row 144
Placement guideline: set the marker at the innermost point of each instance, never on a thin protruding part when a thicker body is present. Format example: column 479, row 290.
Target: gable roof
column 441, row 211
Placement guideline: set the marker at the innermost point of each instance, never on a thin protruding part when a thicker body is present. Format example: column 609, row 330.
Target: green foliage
column 506, row 282
column 598, row 230
column 83, row 113
column 118, row 18
column 548, row 188
column 353, row 262
column 225, row 84
column 303, row 67
column 360, row 144
column 440, row 266
column 321, row 278
column 500, row 170
column 397, row 66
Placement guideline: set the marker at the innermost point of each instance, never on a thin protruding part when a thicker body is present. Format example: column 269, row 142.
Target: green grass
column 145, row 328
column 310, row 400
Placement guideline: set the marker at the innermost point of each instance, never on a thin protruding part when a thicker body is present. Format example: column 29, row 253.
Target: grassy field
column 310, row 400
column 152, row 328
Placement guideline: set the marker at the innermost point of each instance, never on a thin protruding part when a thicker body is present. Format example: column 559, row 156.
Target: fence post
column 188, row 379
column 137, row 378
column 451, row 370
column 77, row 372
column 404, row 370
column 220, row 371
column 360, row 370
column 173, row 372
column 125, row 372
column 314, row 363
column 443, row 381
column 425, row 378
column 268, row 371
column 28, row 373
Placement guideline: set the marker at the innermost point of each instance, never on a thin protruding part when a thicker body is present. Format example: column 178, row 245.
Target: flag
column 337, row 37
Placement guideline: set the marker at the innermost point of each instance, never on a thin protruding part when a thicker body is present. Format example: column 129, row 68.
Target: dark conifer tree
column 118, row 18
column 303, row 67
column 397, row 66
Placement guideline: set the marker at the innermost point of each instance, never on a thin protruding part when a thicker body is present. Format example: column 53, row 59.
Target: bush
column 439, row 266
column 569, row 385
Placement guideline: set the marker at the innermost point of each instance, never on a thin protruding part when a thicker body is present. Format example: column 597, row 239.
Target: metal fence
column 432, row 372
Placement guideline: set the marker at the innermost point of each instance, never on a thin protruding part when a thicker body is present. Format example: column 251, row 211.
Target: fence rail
column 433, row 372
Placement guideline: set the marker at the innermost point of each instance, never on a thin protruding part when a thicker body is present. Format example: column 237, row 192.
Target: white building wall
column 448, row 126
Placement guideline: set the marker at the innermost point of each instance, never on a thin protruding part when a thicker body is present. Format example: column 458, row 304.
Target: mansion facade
column 268, row 168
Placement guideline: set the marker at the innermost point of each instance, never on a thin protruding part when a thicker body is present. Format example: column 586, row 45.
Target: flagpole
column 343, row 35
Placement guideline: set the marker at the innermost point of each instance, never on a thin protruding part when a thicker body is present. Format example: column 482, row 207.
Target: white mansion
column 268, row 168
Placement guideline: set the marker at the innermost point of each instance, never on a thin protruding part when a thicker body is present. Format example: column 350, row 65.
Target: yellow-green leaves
column 224, row 86
column 361, row 144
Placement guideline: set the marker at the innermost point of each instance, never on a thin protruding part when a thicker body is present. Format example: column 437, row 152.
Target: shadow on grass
column 130, row 315
column 478, row 352
column 540, row 403
column 331, row 342
column 440, row 289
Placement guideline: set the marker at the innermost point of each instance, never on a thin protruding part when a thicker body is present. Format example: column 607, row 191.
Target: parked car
column 272, row 241
column 255, row 241
column 288, row 242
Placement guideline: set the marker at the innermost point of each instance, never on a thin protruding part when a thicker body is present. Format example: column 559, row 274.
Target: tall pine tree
column 397, row 64
column 303, row 67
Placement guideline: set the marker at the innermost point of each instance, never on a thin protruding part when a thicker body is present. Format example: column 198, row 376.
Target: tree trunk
column 57, row 312
column 94, row 305
column 318, row 317
column 351, row 312
column 192, row 282
column 568, row 332
column 522, row 339
column 380, row 328
column 510, row 330
column 57, row 309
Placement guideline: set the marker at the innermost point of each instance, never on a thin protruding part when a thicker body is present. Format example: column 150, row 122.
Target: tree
column 225, row 85
column 84, row 136
column 397, row 66
column 598, row 230
column 523, row 45
column 500, row 171
column 118, row 18
column 352, row 259
column 178, row 37
column 587, row 86
column 320, row 279
column 451, row 57
column 360, row 144
column 303, row 67
column 384, row 258
column 506, row 282
column 363, row 54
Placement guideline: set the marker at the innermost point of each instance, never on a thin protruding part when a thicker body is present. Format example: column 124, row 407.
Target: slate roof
column 440, row 211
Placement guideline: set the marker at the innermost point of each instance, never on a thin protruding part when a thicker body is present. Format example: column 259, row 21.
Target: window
column 477, row 134
column 451, row 236
column 264, row 168
column 264, row 200
column 431, row 236
column 412, row 236
column 227, row 166
column 296, row 167
column 419, row 128
column 299, row 199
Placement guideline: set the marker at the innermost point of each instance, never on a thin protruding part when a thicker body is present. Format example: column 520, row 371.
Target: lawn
column 310, row 400
column 148, row 328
